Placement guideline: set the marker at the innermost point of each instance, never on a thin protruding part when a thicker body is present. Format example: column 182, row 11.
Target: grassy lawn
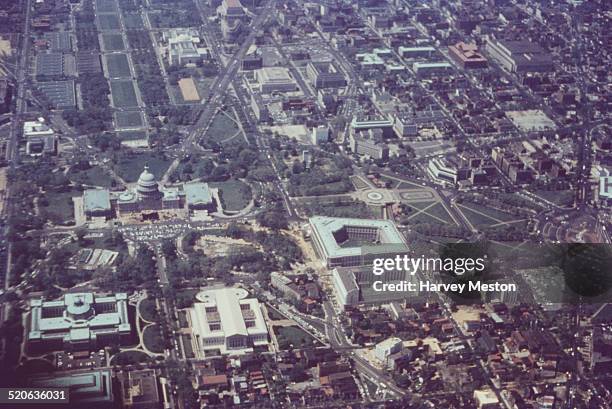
column 105, row 6
column 59, row 204
column 128, row 119
column 152, row 338
column 203, row 84
column 493, row 213
column 129, row 358
column 418, row 205
column 439, row 211
column 130, row 166
column 477, row 219
column 235, row 195
column 118, row 65
column 124, row 94
column 108, row 22
column 414, row 218
column 132, row 21
column 222, row 128
column 341, row 209
column 288, row 336
column 112, row 42
column 94, row 176
column 148, row 310
column 559, row 197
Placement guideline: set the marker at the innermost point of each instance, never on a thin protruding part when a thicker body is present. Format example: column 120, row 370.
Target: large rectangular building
column 519, row 56
column 226, row 321
column 275, row 79
column 467, row 55
column 90, row 389
column 96, row 203
column 356, row 286
column 347, row 242
column 78, row 321
column 325, row 74
column 423, row 69
column 184, row 46
column 369, row 143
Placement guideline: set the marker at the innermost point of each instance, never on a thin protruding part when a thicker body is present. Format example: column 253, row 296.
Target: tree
column 273, row 219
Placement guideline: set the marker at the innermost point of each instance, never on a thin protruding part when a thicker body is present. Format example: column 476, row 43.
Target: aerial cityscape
column 305, row 204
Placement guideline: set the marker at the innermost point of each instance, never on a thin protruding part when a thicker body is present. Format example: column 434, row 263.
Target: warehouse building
column 519, row 56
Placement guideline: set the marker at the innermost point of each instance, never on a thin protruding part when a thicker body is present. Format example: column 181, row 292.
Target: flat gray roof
column 197, row 193
column 390, row 237
column 96, row 200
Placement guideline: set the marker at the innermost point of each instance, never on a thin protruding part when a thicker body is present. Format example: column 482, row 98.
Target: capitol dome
column 147, row 185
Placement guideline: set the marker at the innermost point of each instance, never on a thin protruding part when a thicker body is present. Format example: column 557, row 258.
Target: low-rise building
column 231, row 10
column 184, row 46
column 605, row 190
column 346, row 242
column 6, row 92
column 369, row 143
column 423, row 69
column 519, row 56
column 225, row 320
column 139, row 389
column 320, row 134
column 40, row 138
column 486, row 399
column 96, row 203
column 275, row 79
column 325, row 74
column 91, row 389
column 78, row 321
column 467, row 55
column 346, row 287
column 388, row 347
column 444, row 170
column 416, row 52
column 375, row 122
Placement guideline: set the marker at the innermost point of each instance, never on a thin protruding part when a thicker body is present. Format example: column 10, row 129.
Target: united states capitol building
column 148, row 196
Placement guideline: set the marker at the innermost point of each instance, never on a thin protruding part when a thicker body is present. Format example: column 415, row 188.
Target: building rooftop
column 88, row 387
column 386, row 236
column 78, row 316
column 197, row 193
column 605, row 187
column 274, row 74
column 96, row 200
